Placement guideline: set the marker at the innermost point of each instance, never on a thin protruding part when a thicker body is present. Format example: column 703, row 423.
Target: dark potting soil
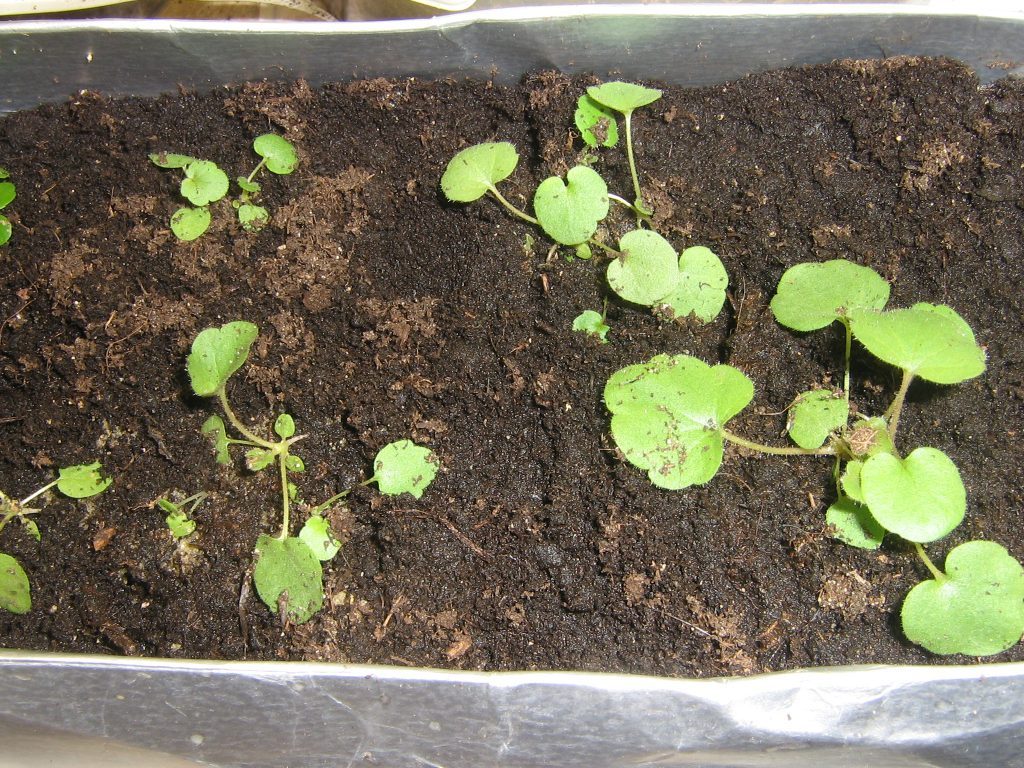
column 387, row 313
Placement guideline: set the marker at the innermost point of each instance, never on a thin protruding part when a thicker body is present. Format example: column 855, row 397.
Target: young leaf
column 259, row 458
column 294, row 464
column 250, row 187
column 595, row 123
column 815, row 416
column 189, row 223
column 15, row 595
column 853, row 524
column 7, row 194
column 179, row 524
column 812, row 296
column 279, row 153
column 870, row 436
column 582, row 252
column 214, row 428
column 31, row 528
column 569, row 213
column 929, row 341
column 701, row 288
column 978, row 609
column 591, row 323
column 920, row 498
column 850, row 481
column 475, row 170
column 317, row 535
column 217, row 353
column 288, row 577
column 82, row 480
column 170, row 160
column 253, row 218
column 6, row 230
column 404, row 467
column 284, row 426
column 647, row 269
column 204, row 183
column 623, row 97
column 668, row 413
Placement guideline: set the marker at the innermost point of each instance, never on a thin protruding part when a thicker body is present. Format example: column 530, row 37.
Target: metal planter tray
column 104, row 711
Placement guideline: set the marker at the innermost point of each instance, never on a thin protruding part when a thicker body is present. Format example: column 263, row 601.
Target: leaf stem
column 256, row 170
column 33, row 495
column 936, row 573
column 639, row 204
column 792, row 450
column 511, row 208
column 846, row 362
column 237, row 424
column 892, row 415
column 285, row 501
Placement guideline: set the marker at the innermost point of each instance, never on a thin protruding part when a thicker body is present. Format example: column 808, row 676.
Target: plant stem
column 936, row 573
column 792, row 450
column 285, row 501
column 33, row 495
column 846, row 359
column 639, row 204
column 327, row 504
column 893, row 414
column 237, row 424
column 256, row 170
column 512, row 209
column 605, row 248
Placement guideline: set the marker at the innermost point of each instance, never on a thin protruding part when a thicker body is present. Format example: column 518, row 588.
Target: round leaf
column 82, row 480
column 15, row 595
column 811, row 296
column 477, row 169
column 217, row 353
column 569, row 213
column 667, row 416
column 596, row 124
column 317, row 535
column 647, row 269
column 852, row 524
column 929, row 341
column 7, row 193
column 279, row 153
column 920, row 498
column 592, row 324
column 5, row 229
column 284, row 426
column 404, row 467
column 815, row 416
column 253, row 218
column 623, row 97
column 288, row 576
column 701, row 286
column 204, row 183
column 978, row 609
column 189, row 223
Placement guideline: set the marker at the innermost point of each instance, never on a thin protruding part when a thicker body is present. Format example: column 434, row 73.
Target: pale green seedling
column 7, row 195
column 404, row 467
column 815, row 416
column 700, row 287
column 593, row 324
column 476, row 170
column 179, row 514
column 646, row 269
column 596, row 124
column 570, row 211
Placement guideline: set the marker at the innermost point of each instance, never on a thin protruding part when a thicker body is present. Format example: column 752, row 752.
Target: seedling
column 77, row 482
column 669, row 418
column 288, row 574
column 205, row 183
column 179, row 514
column 593, row 324
column 7, row 194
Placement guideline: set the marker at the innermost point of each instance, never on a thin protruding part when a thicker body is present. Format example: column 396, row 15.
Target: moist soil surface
column 386, row 312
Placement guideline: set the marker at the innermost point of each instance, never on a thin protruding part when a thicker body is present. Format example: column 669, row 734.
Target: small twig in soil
column 468, row 542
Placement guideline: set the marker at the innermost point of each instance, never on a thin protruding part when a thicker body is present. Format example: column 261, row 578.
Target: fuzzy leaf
column 253, row 218
column 213, row 427
column 187, row 224
column 82, row 480
column 317, row 535
column 7, row 193
column 279, row 153
column 816, row 415
column 812, row 296
column 929, row 341
column 404, row 467
column 667, row 416
column 569, row 213
column 623, row 97
column 217, row 353
column 595, row 123
column 978, row 609
column 854, row 525
column 288, row 576
column 646, row 271
column 475, row 170
column 701, row 286
column 170, row 160
column 920, row 498
column 204, row 183
column 15, row 594
column 592, row 324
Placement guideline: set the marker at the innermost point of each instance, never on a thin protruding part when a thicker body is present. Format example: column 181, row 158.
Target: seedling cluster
column 7, row 194
column 77, row 482
column 669, row 418
column 205, row 183
column 288, row 574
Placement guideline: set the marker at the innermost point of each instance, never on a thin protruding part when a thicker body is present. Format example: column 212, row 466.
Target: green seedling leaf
column 217, row 353
column 920, row 498
column 253, row 218
column 284, row 426
column 812, row 296
column 214, row 427
column 82, row 480
column 249, row 187
column 977, row 609
column 7, row 194
column 583, row 252
column 647, row 269
column 294, row 464
column 5, row 229
column 668, row 413
column 591, row 323
column 187, row 224
column 4, row 173
column 317, row 535
column 257, row 459
column 870, row 436
column 854, row 525
column 596, row 124
column 569, row 213
column 171, row 160
column 15, row 595
column 204, row 183
column 278, row 152
column 404, row 467
column 701, row 286
column 475, row 170
column 850, row 481
column 927, row 340
column 179, row 524
column 815, row 416
column 288, row 577
column 31, row 528
column 623, row 97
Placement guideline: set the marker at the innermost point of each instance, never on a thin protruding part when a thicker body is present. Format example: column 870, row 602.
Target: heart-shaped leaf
column 920, row 498
column 189, row 223
column 288, row 577
column 317, row 535
column 217, row 353
column 646, row 270
column 15, row 594
column 977, row 609
column 623, row 97
column 569, row 213
column 927, row 340
column 667, row 416
column 204, row 183
column 404, row 467
column 82, row 480
column 475, row 170
column 700, row 290
column 592, row 324
column 852, row 524
column 816, row 415
column 278, row 152
column 596, row 124
column 811, row 296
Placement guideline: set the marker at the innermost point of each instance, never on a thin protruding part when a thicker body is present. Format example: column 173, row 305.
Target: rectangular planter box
column 106, row 711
